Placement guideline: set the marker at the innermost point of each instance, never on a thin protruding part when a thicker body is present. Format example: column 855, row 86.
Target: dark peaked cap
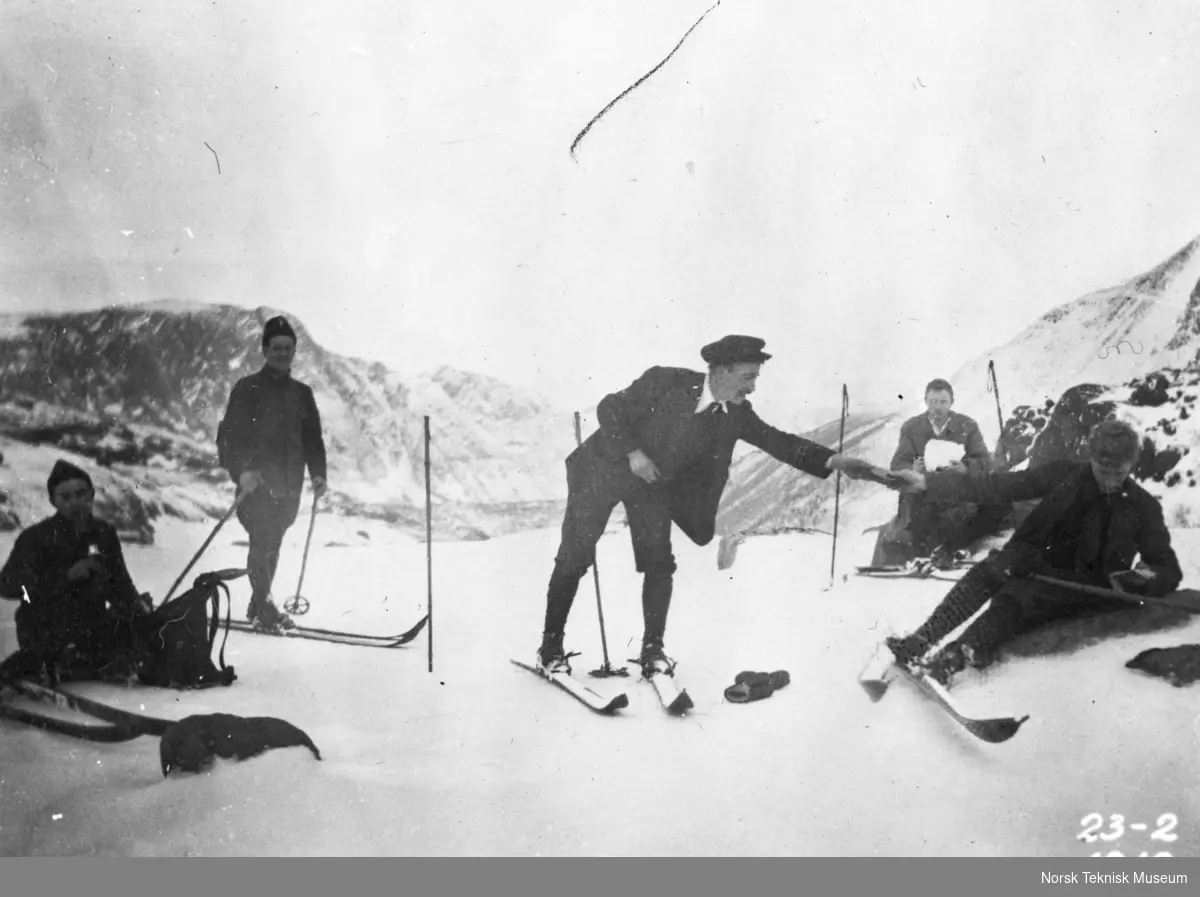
column 277, row 326
column 63, row 472
column 733, row 349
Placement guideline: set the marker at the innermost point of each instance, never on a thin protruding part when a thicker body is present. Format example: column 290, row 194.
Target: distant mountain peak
column 171, row 365
column 1158, row 277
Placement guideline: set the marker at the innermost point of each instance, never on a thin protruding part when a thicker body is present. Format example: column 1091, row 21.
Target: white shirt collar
column 706, row 399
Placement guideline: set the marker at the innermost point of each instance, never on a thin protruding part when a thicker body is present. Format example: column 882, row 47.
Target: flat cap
column 1115, row 440
column 734, row 349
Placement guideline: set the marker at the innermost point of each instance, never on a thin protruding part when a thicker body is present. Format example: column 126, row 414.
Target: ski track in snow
column 480, row 758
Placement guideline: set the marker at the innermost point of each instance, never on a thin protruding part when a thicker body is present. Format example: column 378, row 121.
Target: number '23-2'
column 1092, row 823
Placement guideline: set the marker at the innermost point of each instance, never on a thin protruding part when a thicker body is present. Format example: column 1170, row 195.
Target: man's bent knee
column 658, row 568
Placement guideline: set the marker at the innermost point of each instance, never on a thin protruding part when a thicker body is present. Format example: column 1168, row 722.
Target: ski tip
column 875, row 688
column 997, row 731
column 526, row 666
column 620, row 701
column 681, row 705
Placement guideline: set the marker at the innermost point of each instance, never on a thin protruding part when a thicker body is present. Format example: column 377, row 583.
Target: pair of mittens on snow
column 750, row 686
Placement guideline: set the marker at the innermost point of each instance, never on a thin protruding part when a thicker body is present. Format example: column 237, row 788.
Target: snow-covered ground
column 480, row 758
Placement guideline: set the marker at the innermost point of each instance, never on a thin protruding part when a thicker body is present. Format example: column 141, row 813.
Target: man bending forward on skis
column 663, row 449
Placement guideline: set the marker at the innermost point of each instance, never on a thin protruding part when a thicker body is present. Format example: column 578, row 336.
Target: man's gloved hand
column 250, row 480
column 1141, row 580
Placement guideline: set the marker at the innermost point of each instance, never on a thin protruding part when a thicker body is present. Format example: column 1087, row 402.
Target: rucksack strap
column 215, row 624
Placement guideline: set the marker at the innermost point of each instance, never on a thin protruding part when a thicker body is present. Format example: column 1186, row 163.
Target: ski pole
column 607, row 669
column 297, row 603
column 837, row 495
column 994, row 388
column 1185, row 600
column 429, row 543
column 220, row 523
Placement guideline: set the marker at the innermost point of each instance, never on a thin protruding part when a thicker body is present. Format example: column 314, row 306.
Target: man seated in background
column 1092, row 522
column 80, row 616
column 940, row 439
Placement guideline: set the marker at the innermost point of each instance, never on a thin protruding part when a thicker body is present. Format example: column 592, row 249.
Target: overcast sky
column 880, row 190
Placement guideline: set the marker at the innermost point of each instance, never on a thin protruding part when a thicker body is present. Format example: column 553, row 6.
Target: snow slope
column 1112, row 336
column 479, row 758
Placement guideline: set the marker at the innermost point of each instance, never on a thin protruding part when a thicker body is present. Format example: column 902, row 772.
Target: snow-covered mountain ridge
column 141, row 389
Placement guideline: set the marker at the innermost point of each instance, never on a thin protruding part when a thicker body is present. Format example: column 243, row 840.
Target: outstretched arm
column 796, row 451
column 988, row 488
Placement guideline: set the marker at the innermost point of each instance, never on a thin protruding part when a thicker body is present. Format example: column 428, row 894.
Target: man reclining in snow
column 1091, row 523
column 80, row 614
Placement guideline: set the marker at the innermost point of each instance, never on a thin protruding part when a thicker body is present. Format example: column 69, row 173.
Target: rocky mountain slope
column 140, row 390
column 1114, row 345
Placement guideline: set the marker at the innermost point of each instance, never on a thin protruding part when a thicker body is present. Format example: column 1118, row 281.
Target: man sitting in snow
column 925, row 528
column 80, row 614
column 1092, row 521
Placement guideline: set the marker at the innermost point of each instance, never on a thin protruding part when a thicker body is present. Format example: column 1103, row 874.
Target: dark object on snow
column 182, row 633
column 1151, row 395
column 1179, row 665
column 193, row 742
column 749, row 686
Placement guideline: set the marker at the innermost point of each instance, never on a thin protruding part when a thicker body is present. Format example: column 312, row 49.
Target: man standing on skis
column 920, row 527
column 271, row 432
column 663, row 450
column 1091, row 523
column 80, row 615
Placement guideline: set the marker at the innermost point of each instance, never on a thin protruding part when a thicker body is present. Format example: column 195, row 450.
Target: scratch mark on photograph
column 579, row 137
column 215, row 156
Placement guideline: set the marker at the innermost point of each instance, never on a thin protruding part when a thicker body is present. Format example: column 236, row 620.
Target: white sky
column 880, row 190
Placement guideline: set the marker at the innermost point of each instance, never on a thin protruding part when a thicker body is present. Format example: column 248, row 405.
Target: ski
column 993, row 731
column 675, row 700
column 64, row 700
column 105, row 733
column 579, row 691
column 334, row 636
column 115, row 726
column 898, row 572
column 879, row 673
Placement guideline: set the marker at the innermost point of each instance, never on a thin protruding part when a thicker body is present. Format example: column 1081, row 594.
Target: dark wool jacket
column 1136, row 528
column 272, row 426
column 657, row 414
column 960, row 429
column 44, row 552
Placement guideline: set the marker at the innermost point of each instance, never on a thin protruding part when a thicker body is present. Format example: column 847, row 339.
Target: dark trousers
column 76, row 632
column 594, row 489
column 1017, row 606
column 266, row 519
